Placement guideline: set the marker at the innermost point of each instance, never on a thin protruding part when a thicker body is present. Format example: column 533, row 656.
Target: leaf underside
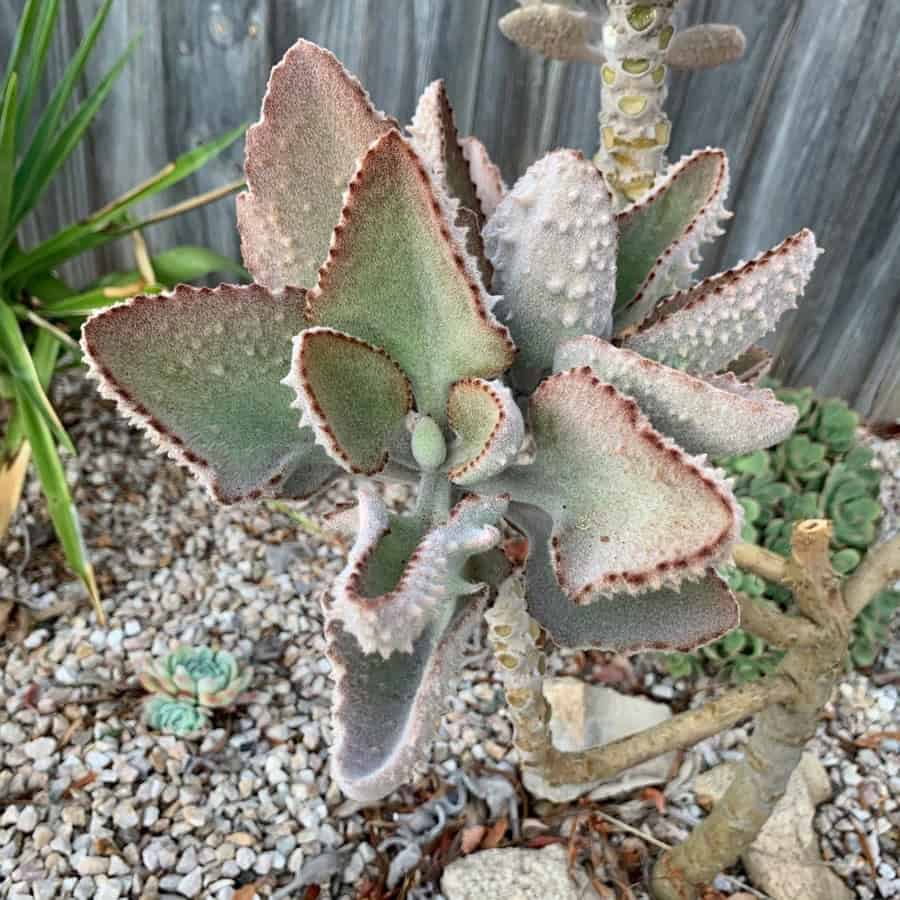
column 552, row 242
column 484, row 173
column 399, row 277
column 489, row 428
column 386, row 710
column 631, row 511
column 317, row 121
column 660, row 236
column 719, row 416
column 706, row 327
column 199, row 370
column 353, row 395
column 697, row 613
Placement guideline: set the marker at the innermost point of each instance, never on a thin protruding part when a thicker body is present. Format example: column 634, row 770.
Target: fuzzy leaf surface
column 665, row 619
column 552, row 241
column 660, row 236
column 489, row 428
column 704, row 328
column 353, row 395
column 316, row 122
column 386, row 710
column 199, row 370
column 398, row 276
column 436, row 140
column 487, row 178
column 719, row 416
column 400, row 575
column 631, row 511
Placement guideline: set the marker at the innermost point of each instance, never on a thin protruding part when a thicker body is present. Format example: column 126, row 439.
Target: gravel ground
column 92, row 804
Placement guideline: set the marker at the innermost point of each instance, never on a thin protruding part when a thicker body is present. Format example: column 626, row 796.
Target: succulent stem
column 634, row 128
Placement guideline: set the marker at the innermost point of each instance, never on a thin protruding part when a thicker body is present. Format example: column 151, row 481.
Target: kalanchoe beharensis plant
column 523, row 356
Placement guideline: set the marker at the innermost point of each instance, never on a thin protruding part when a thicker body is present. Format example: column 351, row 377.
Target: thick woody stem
column 634, row 129
column 763, row 620
column 878, row 570
column 782, row 728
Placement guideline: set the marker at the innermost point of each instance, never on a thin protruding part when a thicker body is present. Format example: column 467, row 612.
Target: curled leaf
column 486, row 177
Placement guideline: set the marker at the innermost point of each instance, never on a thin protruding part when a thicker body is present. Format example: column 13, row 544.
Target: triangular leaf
column 353, row 395
column 488, row 426
column 552, row 241
column 199, row 370
column 317, row 121
column 397, row 578
column 704, row 328
column 698, row 612
column 718, row 416
column 631, row 511
column 487, row 178
column 386, row 710
column 435, row 139
column 399, row 277
column 660, row 236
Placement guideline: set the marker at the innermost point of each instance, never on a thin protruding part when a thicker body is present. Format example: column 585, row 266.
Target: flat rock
column 589, row 715
column 515, row 874
column 784, row 860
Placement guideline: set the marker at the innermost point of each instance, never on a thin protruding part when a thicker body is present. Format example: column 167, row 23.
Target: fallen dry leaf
column 471, row 838
column 495, row 834
column 871, row 741
column 656, row 797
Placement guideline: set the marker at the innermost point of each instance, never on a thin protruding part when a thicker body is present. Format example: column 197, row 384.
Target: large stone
column 590, row 715
column 784, row 860
column 515, row 874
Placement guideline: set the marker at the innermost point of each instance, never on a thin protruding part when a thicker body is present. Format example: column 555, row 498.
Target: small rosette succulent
column 208, row 678
column 525, row 356
column 182, row 718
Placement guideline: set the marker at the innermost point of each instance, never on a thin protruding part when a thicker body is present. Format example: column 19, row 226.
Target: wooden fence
column 810, row 119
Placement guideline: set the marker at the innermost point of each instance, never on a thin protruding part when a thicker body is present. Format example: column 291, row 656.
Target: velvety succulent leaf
column 698, row 612
column 487, row 178
column 436, row 140
column 660, row 236
column 353, row 395
column 399, row 576
column 386, row 710
column 398, row 276
column 703, row 328
column 631, row 511
column 752, row 365
column 489, row 429
column 706, row 46
column 554, row 30
column 719, row 415
column 316, row 122
column 552, row 241
column 199, row 370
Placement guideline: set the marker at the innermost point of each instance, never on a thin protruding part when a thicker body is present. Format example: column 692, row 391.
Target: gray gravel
column 92, row 804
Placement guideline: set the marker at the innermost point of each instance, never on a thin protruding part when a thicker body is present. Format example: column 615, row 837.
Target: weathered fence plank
column 810, row 121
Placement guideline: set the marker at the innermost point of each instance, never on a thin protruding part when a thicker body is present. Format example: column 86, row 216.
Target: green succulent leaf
column 399, row 576
column 488, row 426
column 353, row 395
column 660, row 236
column 316, row 122
column 719, row 415
column 436, row 140
column 698, row 612
column 631, row 511
column 386, row 709
column 552, row 242
column 399, row 277
column 199, row 370
column 836, row 426
column 701, row 329
column 182, row 718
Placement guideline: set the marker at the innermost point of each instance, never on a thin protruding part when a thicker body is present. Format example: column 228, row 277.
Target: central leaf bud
column 428, row 445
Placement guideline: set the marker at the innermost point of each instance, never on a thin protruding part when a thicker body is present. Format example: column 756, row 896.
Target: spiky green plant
column 38, row 310
column 374, row 256
column 821, row 471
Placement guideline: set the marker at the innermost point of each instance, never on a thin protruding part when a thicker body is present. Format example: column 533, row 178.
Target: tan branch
column 761, row 562
column 878, row 570
column 780, row 630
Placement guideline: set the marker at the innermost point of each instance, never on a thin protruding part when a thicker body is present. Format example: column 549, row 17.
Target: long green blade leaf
column 68, row 138
column 7, row 152
column 101, row 227
column 21, row 41
column 37, row 58
column 49, row 121
column 17, row 357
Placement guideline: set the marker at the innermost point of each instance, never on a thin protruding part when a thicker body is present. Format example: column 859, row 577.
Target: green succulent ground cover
column 820, row 471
